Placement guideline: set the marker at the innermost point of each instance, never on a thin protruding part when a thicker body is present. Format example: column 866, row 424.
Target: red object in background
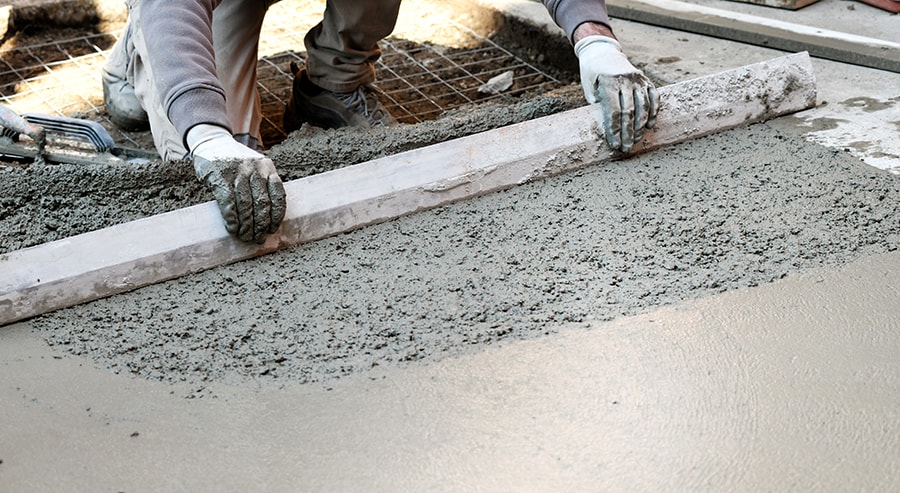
column 889, row 5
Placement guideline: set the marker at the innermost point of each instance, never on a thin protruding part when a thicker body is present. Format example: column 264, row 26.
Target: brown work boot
column 311, row 104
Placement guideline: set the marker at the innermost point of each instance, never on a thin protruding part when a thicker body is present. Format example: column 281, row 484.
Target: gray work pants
column 341, row 51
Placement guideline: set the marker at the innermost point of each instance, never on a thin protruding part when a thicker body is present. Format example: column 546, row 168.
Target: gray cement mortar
column 736, row 209
column 45, row 203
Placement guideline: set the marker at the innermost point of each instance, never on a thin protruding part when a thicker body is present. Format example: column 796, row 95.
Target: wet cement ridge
column 736, row 209
column 39, row 204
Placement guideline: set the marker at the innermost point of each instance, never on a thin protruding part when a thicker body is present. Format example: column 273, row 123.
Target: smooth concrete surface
column 763, row 31
column 792, row 386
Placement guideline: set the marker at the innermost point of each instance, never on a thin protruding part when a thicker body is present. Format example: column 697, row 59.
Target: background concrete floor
column 790, row 386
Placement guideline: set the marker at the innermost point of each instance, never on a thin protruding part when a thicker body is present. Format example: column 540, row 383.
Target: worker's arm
column 178, row 35
column 626, row 96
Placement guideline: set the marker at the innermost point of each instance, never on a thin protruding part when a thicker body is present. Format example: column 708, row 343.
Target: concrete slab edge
column 823, row 43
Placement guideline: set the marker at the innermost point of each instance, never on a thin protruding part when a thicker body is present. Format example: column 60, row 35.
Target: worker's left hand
column 626, row 96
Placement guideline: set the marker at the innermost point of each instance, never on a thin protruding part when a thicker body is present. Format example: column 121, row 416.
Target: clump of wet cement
column 737, row 209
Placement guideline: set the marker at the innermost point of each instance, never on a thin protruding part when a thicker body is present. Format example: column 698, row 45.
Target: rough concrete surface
column 42, row 203
column 737, row 209
column 140, row 253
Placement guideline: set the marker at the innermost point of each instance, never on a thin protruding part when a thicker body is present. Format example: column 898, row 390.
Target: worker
column 187, row 69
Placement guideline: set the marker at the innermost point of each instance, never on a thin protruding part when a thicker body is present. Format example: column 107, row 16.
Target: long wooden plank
column 770, row 33
column 93, row 265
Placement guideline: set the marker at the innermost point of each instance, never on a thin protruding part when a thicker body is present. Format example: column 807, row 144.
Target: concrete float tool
column 120, row 258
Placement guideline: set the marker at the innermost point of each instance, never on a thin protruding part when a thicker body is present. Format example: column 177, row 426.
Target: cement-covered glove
column 244, row 182
column 626, row 96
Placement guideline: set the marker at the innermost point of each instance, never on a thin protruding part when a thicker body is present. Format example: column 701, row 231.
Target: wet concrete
column 41, row 203
column 720, row 315
column 737, row 209
column 788, row 386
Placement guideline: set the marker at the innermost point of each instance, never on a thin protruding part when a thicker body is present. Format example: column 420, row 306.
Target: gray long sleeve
column 178, row 35
column 569, row 14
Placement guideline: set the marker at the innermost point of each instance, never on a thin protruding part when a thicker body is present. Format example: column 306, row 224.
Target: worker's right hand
column 244, row 182
column 625, row 95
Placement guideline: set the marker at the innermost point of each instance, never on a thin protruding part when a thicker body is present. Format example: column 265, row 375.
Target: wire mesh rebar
column 417, row 81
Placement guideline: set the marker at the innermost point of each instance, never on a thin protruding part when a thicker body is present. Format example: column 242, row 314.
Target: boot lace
column 364, row 102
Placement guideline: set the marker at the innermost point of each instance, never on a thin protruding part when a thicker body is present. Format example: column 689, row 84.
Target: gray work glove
column 244, row 182
column 626, row 96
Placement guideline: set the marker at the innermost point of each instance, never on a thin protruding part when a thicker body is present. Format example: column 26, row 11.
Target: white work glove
column 244, row 182
column 625, row 95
